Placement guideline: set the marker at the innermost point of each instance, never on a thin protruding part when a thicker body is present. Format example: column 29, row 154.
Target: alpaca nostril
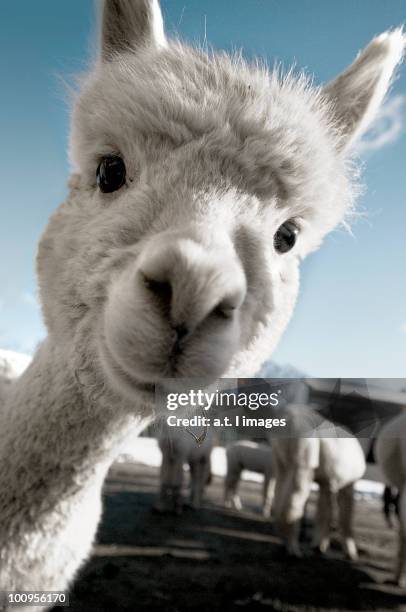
column 161, row 290
column 181, row 331
column 223, row 310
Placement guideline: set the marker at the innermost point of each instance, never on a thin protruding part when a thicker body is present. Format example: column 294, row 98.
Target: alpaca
column 390, row 453
column 199, row 183
column 179, row 447
column 248, row 455
column 390, row 500
column 4, row 387
column 335, row 462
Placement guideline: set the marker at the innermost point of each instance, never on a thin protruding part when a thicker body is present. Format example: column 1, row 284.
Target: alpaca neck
column 52, row 442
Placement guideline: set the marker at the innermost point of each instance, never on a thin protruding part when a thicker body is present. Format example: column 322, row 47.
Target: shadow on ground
column 219, row 560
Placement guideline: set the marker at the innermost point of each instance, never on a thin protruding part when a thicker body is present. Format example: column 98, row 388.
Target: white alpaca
column 335, row 463
column 179, row 448
column 390, row 452
column 4, row 387
column 200, row 182
column 248, row 455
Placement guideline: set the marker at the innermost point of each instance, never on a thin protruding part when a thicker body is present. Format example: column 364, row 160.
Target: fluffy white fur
column 390, row 452
column 218, row 154
column 252, row 456
column 334, row 462
column 178, row 448
column 4, row 386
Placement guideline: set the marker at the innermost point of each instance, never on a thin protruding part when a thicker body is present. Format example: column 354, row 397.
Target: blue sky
column 350, row 319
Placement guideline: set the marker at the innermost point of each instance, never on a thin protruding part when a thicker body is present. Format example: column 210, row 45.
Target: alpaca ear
column 357, row 93
column 129, row 24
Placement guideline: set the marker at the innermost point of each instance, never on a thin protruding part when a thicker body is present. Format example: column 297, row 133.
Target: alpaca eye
column 110, row 174
column 285, row 237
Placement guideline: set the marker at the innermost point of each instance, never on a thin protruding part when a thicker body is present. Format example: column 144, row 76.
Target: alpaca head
column 201, row 182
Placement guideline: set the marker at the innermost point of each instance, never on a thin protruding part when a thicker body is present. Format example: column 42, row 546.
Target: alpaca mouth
column 121, row 376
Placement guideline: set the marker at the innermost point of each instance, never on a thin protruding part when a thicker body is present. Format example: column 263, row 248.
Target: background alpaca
column 200, row 182
column 178, row 448
column 252, row 456
column 390, row 500
column 335, row 462
column 390, row 452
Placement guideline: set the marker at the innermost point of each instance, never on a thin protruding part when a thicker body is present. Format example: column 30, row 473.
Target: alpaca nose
column 191, row 283
column 162, row 293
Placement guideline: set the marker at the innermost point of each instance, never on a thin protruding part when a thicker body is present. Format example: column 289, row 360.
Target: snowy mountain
column 270, row 369
column 12, row 364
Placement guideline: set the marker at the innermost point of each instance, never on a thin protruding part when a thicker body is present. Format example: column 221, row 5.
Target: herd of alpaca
column 289, row 465
column 200, row 182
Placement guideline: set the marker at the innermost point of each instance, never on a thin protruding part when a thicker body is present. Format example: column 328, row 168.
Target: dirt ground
column 219, row 559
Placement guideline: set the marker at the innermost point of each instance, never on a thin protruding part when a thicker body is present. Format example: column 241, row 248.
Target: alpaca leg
column 163, row 502
column 208, row 473
column 292, row 534
column 176, row 484
column 231, row 497
column 390, row 504
column 198, row 473
column 268, row 495
column 324, row 517
column 297, row 489
column 401, row 566
column 345, row 499
column 289, row 532
column 171, row 478
column 279, row 491
column 176, row 500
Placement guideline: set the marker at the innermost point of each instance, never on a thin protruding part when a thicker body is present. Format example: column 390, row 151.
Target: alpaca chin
column 122, row 382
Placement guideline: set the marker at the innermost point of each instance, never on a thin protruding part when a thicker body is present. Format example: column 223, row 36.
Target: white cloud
column 26, row 344
column 387, row 126
column 403, row 328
